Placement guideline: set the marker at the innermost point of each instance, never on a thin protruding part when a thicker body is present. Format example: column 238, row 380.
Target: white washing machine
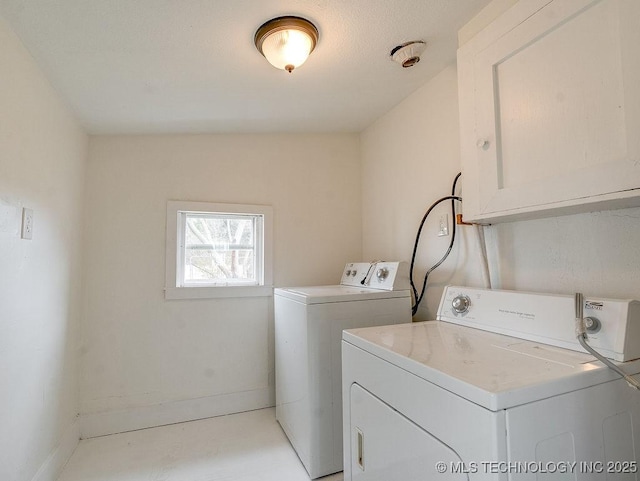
column 308, row 331
column 485, row 393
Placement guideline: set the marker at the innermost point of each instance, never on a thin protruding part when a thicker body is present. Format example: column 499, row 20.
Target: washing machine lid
column 337, row 293
column 489, row 369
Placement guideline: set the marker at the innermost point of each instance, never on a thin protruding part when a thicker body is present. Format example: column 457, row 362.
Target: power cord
column 453, row 198
column 581, row 335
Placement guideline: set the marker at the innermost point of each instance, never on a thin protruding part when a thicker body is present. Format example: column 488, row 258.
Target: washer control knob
column 461, row 304
column 353, row 273
column 592, row 324
column 382, row 274
column 348, row 273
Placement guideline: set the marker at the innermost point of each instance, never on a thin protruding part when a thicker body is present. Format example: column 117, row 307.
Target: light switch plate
column 443, row 227
column 27, row 223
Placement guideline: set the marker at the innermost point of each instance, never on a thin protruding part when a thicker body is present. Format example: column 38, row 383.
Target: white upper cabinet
column 550, row 110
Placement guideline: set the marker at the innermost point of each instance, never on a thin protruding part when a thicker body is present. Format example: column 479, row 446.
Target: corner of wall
column 57, row 459
column 487, row 15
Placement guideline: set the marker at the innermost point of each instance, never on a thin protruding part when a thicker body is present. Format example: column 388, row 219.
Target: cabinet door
column 550, row 110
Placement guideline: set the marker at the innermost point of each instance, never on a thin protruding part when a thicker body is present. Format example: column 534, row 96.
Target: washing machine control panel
column 388, row 276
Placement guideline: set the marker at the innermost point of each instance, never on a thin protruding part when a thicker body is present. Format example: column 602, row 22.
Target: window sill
column 217, row 292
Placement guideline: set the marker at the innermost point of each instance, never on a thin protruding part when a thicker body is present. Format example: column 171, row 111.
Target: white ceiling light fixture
column 286, row 42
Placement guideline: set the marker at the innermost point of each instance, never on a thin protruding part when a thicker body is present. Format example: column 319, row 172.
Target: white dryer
column 308, row 330
column 485, row 393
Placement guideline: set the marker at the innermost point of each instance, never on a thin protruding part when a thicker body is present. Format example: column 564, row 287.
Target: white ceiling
column 160, row 66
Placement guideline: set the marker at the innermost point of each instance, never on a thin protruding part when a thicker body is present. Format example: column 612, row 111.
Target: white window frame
column 264, row 239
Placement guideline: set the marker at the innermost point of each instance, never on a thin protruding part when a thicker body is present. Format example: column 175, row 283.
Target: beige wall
column 42, row 163
column 142, row 351
column 413, row 151
column 410, row 157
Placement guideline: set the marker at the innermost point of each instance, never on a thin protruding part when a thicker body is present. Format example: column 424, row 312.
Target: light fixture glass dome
column 286, row 42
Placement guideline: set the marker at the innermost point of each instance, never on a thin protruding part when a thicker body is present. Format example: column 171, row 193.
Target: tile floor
column 240, row 447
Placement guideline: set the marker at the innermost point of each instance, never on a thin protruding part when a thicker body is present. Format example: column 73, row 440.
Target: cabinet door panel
column 555, row 110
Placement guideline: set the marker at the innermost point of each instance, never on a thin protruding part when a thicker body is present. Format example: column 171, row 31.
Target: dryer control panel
column 613, row 325
column 387, row 276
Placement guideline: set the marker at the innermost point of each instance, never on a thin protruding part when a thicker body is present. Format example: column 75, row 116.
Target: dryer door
column 386, row 446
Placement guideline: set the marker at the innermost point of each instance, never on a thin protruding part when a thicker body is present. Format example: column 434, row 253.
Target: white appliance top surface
column 337, row 293
column 489, row 369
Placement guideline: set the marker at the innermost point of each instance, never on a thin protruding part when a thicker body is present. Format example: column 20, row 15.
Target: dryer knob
column 461, row 304
column 592, row 324
column 382, row 274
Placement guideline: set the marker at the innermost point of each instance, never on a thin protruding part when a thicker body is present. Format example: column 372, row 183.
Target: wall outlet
column 27, row 223
column 443, row 226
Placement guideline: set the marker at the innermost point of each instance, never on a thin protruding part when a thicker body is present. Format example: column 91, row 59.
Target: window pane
column 219, row 248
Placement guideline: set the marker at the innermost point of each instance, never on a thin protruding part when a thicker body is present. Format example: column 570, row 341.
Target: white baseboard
column 112, row 422
column 52, row 466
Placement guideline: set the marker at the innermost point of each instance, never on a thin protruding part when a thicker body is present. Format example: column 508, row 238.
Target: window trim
column 172, row 289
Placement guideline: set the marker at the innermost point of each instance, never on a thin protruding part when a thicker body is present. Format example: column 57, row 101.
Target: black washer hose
column 453, row 198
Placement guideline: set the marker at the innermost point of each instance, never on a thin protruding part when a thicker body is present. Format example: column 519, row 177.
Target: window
column 218, row 250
